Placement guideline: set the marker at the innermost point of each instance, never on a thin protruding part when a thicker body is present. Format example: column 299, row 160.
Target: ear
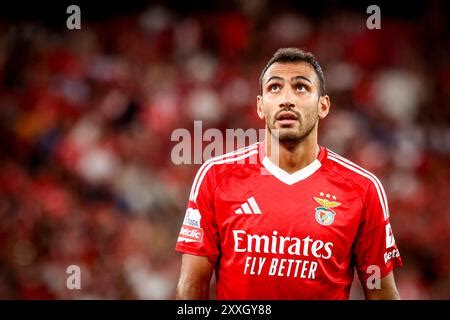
column 324, row 106
column 259, row 107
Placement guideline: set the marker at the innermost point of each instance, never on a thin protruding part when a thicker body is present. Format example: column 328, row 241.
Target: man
column 286, row 218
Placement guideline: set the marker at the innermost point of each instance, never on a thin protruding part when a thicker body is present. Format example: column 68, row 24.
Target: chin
column 289, row 136
column 292, row 135
column 290, row 139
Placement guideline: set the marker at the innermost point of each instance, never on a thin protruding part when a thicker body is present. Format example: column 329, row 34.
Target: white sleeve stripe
column 204, row 165
column 197, row 188
column 366, row 171
column 380, row 198
column 194, row 198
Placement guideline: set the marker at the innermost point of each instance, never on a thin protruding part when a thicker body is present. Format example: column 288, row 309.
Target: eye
column 274, row 87
column 300, row 87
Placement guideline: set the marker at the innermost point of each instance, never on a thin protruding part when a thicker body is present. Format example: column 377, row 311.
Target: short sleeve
column 375, row 243
column 199, row 233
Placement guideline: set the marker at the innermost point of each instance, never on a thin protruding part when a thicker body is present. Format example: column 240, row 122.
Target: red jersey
column 275, row 235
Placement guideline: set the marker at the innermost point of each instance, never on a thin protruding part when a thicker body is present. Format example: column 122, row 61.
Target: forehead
column 288, row 70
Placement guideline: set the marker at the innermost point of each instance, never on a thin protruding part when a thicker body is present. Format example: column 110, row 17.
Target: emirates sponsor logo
column 276, row 244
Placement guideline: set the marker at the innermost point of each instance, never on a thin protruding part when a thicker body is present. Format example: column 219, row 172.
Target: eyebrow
column 292, row 79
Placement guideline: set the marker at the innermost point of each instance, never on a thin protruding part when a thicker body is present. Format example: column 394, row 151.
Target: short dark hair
column 287, row 55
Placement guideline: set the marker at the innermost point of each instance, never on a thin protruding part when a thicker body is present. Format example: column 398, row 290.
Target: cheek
column 268, row 114
column 311, row 111
column 309, row 100
column 269, row 106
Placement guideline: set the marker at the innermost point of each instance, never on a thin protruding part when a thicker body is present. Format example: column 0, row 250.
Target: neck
column 292, row 157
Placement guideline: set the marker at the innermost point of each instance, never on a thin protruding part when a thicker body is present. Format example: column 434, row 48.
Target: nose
column 287, row 100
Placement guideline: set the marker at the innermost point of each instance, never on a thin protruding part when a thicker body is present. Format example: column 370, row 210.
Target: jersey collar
column 291, row 178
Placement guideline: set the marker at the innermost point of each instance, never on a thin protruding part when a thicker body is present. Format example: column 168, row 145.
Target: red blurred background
column 86, row 117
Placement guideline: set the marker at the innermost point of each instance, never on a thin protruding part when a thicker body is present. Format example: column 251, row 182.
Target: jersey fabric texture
column 275, row 235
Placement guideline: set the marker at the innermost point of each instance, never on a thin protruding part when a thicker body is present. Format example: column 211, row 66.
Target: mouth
column 286, row 118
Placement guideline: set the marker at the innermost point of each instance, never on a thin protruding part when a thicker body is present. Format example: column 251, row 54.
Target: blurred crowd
column 86, row 117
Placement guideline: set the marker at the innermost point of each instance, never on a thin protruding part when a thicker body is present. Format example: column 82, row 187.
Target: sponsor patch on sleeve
column 191, row 234
column 191, row 230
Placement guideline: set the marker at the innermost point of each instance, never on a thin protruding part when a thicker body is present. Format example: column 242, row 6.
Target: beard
column 291, row 136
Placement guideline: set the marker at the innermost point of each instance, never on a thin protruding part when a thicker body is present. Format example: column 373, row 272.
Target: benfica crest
column 324, row 213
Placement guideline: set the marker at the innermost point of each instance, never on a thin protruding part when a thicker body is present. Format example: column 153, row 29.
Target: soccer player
column 287, row 218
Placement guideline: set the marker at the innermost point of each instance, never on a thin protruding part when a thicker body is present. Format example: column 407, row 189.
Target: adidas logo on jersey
column 249, row 207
